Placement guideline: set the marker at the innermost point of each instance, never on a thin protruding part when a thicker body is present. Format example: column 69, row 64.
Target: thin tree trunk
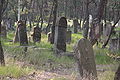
column 54, row 20
column 86, row 26
column 2, row 61
column 48, row 26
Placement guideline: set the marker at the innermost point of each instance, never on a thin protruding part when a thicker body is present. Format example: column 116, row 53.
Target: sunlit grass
column 101, row 56
column 13, row 71
column 107, row 75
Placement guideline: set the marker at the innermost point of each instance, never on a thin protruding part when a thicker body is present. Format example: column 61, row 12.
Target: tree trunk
column 86, row 26
column 2, row 61
column 117, row 74
column 48, row 26
column 95, row 31
column 54, row 20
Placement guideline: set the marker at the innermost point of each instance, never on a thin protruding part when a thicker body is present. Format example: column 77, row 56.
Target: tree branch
column 112, row 28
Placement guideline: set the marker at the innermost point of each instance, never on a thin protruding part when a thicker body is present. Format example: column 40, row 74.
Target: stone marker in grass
column 60, row 36
column 68, row 36
column 36, row 34
column 22, row 32
column 85, row 59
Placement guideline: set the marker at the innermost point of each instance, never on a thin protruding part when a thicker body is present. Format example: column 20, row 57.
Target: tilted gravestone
column 60, row 36
column 36, row 34
column 22, row 33
column 86, row 61
column 68, row 36
column 3, row 31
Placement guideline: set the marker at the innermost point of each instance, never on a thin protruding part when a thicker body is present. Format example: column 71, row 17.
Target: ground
column 41, row 63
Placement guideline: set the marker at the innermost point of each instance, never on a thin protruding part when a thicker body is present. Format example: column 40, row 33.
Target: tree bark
column 95, row 31
column 117, row 74
column 86, row 26
column 54, row 20
column 48, row 26
column 2, row 61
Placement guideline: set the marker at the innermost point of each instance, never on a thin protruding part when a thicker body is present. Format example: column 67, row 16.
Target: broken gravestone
column 113, row 44
column 60, row 36
column 85, row 59
column 22, row 33
column 36, row 34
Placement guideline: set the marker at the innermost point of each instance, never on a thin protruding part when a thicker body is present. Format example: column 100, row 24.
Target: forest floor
column 57, row 74
column 42, row 64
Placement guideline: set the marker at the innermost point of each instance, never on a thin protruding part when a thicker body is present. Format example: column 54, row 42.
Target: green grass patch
column 101, row 56
column 107, row 75
column 59, row 79
column 13, row 71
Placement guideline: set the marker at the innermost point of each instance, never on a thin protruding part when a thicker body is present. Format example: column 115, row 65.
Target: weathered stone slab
column 36, row 34
column 60, row 36
column 86, row 61
column 22, row 32
column 106, row 31
column 75, row 25
column 68, row 36
column 113, row 44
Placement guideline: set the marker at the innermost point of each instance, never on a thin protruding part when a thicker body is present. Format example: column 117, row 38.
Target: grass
column 107, row 75
column 101, row 56
column 45, row 58
column 40, row 56
column 59, row 79
column 13, row 71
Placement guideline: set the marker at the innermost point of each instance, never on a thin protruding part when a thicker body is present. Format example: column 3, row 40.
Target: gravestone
column 75, row 25
column 49, row 36
column 68, row 36
column 106, row 31
column 113, row 44
column 85, row 59
column 3, row 31
column 60, row 36
column 22, row 33
column 36, row 34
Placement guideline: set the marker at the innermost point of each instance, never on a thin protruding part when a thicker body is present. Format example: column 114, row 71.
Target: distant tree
column 54, row 20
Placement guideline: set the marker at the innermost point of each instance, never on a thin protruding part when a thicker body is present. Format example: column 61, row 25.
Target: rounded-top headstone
column 63, row 22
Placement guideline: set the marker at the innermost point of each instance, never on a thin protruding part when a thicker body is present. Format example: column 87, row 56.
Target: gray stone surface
column 85, row 58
